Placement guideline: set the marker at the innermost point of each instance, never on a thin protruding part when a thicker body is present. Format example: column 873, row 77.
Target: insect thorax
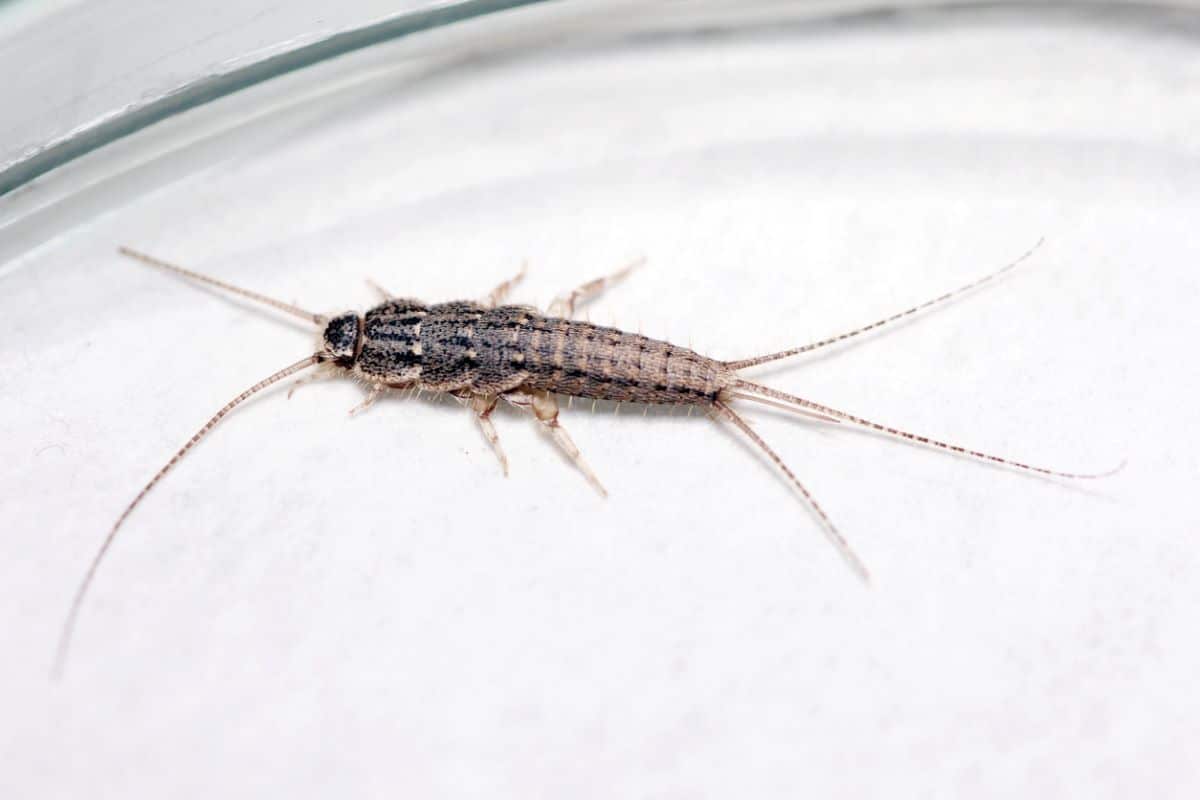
column 390, row 351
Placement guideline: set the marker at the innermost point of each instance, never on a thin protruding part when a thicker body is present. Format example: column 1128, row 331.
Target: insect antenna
column 757, row 392
column 68, row 627
column 908, row 312
column 831, row 531
column 196, row 276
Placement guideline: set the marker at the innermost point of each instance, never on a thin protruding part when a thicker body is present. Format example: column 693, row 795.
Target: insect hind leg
column 544, row 407
column 564, row 305
column 483, row 405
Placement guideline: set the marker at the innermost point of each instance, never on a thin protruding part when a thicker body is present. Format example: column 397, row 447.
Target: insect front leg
column 497, row 295
column 564, row 305
column 319, row 375
column 544, row 407
column 373, row 394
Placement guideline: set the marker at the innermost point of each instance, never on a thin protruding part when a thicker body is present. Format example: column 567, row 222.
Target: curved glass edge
column 214, row 87
column 696, row 16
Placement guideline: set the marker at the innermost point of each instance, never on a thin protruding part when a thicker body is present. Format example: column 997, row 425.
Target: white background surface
column 312, row 605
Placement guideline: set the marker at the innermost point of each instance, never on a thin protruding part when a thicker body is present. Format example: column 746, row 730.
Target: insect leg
column 545, row 409
column 320, row 375
column 373, row 394
column 383, row 293
column 483, row 405
column 497, row 295
column 296, row 384
column 831, row 531
column 564, row 305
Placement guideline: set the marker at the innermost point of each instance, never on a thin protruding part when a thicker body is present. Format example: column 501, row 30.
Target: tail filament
column 757, row 392
column 841, row 337
column 831, row 530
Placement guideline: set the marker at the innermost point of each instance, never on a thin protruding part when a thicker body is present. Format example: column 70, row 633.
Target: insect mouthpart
column 342, row 339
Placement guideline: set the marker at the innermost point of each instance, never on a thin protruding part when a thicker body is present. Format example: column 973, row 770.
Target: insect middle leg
column 497, row 295
column 564, row 305
column 545, row 409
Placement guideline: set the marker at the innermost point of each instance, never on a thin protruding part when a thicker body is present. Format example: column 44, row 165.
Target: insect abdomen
column 586, row 360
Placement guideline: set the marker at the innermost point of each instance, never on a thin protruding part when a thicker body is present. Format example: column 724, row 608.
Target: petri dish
column 788, row 171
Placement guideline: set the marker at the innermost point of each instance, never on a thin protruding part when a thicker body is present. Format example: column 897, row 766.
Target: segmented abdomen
column 586, row 360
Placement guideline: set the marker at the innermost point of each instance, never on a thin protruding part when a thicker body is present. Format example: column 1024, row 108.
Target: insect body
column 466, row 347
column 482, row 352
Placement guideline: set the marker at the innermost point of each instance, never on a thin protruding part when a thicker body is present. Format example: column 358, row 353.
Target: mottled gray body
column 468, row 348
column 482, row 352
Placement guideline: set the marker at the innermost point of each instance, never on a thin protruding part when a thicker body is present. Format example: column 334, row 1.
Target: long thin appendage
column 545, row 409
column 483, row 405
column 196, row 276
column 564, row 305
column 758, row 389
column 497, row 295
column 792, row 409
column 908, row 312
column 383, row 293
column 831, row 530
column 68, row 628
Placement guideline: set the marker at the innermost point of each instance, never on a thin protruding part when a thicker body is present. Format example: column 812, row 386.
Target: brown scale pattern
column 464, row 346
column 585, row 360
